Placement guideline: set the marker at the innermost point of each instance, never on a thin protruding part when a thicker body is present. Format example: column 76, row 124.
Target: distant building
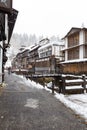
column 40, row 58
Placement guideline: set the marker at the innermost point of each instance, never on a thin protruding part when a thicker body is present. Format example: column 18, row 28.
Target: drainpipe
column 1, row 61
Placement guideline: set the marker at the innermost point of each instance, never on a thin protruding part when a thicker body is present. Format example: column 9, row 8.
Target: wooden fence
column 70, row 85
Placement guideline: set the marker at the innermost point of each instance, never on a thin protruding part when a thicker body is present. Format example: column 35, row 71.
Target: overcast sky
column 49, row 17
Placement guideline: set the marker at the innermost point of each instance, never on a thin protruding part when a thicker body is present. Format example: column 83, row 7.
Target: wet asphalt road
column 25, row 108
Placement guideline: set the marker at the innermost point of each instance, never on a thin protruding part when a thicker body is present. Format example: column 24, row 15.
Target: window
column 73, row 40
column 46, row 52
column 73, row 54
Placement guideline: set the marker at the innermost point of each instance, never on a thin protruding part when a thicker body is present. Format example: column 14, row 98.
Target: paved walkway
column 23, row 107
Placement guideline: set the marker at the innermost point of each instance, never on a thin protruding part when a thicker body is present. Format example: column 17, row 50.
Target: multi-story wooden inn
column 49, row 57
column 75, row 51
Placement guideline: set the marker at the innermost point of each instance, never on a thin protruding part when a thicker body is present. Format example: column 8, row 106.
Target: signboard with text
column 5, row 5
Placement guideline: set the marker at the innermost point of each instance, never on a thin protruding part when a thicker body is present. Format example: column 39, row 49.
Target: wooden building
column 8, row 17
column 75, row 51
column 49, row 57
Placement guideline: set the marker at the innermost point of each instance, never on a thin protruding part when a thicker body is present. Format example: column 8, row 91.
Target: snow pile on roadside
column 77, row 103
column 31, row 83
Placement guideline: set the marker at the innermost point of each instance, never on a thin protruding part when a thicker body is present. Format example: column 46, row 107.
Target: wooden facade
column 45, row 65
column 75, row 51
column 75, row 68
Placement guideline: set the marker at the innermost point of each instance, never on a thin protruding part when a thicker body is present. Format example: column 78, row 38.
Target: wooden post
column 44, row 82
column 53, row 86
column 62, row 85
column 84, row 82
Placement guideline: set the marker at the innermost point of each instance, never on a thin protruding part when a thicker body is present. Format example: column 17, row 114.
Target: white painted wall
column 66, row 56
column 55, row 50
column 66, row 43
column 81, row 41
column 66, row 46
column 81, row 37
column 81, row 52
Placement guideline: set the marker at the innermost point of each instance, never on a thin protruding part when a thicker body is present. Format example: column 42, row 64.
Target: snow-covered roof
column 24, row 49
column 75, row 61
column 27, row 48
column 51, row 44
column 34, row 47
column 73, row 30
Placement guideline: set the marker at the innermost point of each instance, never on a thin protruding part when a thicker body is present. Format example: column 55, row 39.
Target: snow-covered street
column 77, row 102
column 26, row 105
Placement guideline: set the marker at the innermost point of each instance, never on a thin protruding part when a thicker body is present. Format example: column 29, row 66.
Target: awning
column 2, row 27
column 11, row 22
